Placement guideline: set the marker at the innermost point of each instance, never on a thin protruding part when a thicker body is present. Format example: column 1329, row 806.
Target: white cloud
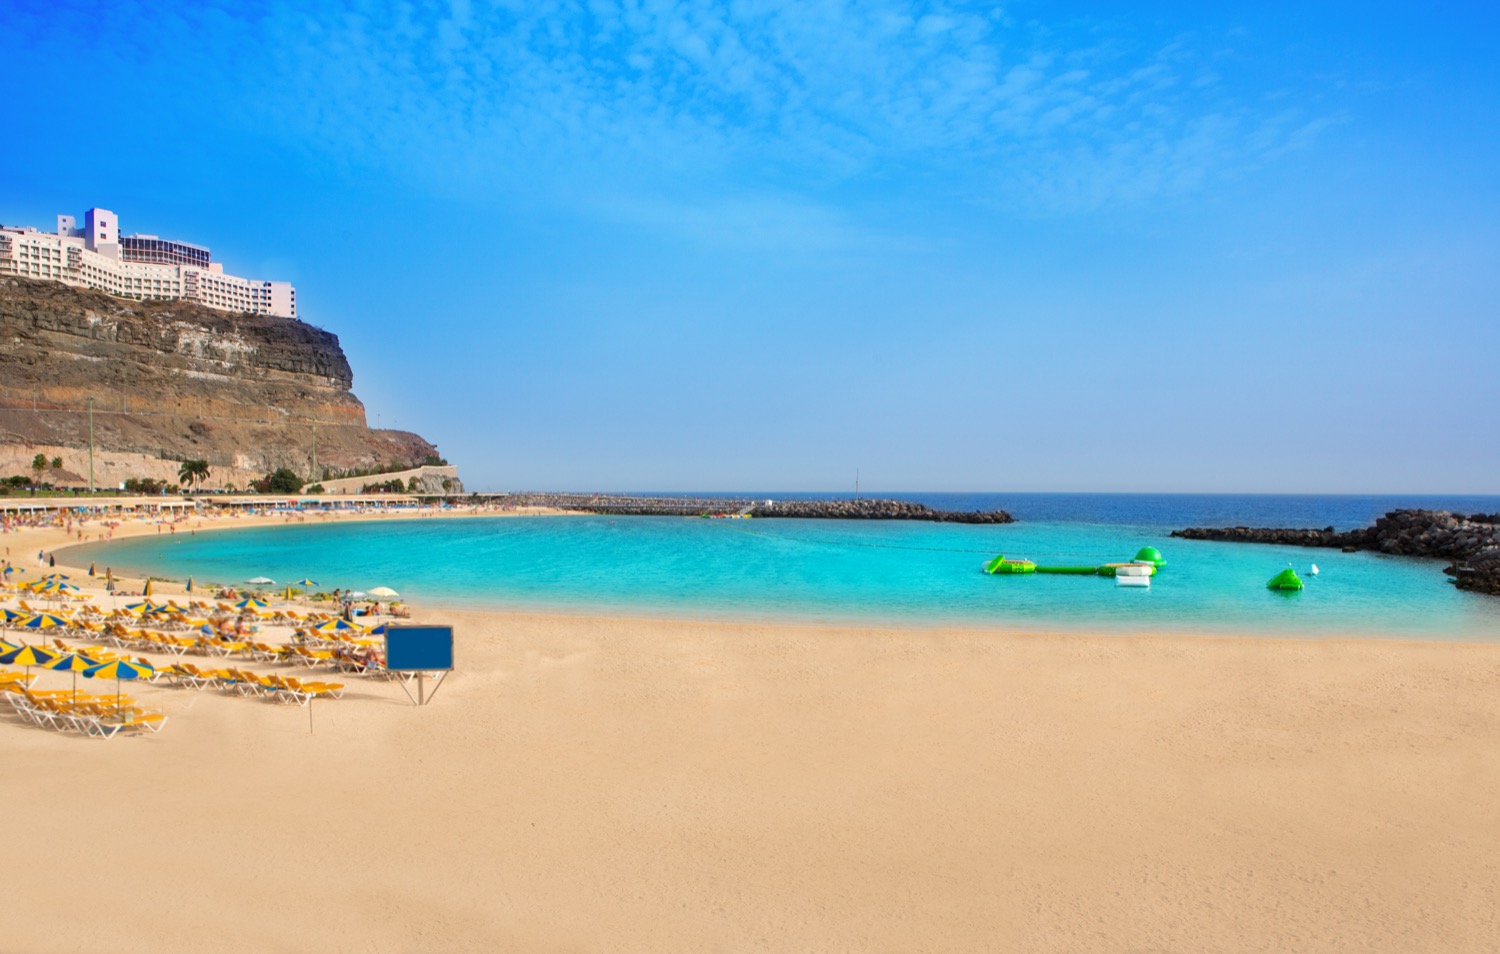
column 791, row 96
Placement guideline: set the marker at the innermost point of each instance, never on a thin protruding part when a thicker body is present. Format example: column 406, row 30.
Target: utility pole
column 91, row 446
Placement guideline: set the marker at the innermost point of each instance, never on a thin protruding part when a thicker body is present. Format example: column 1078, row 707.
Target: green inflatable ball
column 1150, row 555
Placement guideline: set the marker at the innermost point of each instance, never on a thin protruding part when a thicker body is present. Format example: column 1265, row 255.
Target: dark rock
column 866, row 509
column 174, row 380
column 1472, row 543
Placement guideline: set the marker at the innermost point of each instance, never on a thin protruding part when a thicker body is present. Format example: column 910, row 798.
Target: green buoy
column 1286, row 580
column 1150, row 555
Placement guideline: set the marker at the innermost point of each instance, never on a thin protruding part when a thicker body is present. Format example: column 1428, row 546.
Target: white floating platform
column 1125, row 579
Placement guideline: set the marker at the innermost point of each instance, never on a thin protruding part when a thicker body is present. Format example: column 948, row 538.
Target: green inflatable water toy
column 1109, row 569
column 1070, row 570
column 1001, row 565
column 1287, row 580
column 1150, row 555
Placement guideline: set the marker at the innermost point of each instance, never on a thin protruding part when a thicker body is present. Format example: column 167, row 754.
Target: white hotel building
column 142, row 267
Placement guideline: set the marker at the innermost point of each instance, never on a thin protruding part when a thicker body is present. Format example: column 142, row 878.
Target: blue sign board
column 419, row 648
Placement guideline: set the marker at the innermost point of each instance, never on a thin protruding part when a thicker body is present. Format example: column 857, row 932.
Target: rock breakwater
column 869, row 509
column 1471, row 542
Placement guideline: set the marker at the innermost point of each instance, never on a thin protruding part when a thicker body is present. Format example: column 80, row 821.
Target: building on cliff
column 140, row 267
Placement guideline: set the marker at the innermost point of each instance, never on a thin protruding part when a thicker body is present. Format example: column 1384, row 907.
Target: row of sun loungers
column 101, row 717
column 245, row 683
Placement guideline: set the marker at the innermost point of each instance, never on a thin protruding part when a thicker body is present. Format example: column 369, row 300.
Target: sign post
column 420, row 650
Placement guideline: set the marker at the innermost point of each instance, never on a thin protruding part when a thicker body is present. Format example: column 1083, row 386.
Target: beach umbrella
column 119, row 669
column 27, row 656
column 57, row 576
column 43, row 621
column 304, row 582
column 91, row 570
column 190, row 584
column 74, row 663
column 146, row 590
column 379, row 630
column 261, row 581
column 339, row 625
column 383, row 592
column 251, row 603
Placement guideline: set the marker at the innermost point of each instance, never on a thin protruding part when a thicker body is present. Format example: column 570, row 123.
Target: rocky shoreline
column 867, row 509
column 1471, row 542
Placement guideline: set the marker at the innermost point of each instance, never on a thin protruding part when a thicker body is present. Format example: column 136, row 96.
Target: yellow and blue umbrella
column 74, row 663
column 43, row 621
column 304, row 582
column 27, row 656
column 339, row 625
column 119, row 669
column 251, row 603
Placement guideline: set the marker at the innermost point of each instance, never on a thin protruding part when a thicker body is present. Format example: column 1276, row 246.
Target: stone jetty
column 1471, row 542
column 865, row 509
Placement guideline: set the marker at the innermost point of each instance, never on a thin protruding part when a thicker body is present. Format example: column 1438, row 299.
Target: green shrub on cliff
column 282, row 480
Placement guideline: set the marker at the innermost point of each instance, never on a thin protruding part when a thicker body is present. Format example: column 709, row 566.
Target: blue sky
column 747, row 245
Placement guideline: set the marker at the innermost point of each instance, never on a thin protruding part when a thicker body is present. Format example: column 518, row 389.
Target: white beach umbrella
column 385, row 592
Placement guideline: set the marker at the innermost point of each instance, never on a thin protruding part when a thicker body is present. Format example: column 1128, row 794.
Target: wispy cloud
column 810, row 95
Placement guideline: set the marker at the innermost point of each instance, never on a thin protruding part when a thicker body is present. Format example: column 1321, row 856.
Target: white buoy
column 1314, row 570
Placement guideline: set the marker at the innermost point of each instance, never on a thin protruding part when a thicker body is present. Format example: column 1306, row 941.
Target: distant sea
column 903, row 573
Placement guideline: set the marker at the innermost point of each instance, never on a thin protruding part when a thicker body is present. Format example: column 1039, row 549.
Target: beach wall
column 431, row 479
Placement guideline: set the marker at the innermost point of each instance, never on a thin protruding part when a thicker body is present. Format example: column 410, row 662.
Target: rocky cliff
column 172, row 381
column 1472, row 542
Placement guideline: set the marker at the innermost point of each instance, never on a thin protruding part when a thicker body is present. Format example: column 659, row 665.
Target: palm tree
column 193, row 472
column 38, row 464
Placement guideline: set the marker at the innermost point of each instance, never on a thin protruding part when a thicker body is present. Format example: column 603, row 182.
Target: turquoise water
column 849, row 571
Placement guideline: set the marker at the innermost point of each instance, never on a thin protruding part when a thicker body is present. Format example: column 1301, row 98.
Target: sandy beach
column 584, row 784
